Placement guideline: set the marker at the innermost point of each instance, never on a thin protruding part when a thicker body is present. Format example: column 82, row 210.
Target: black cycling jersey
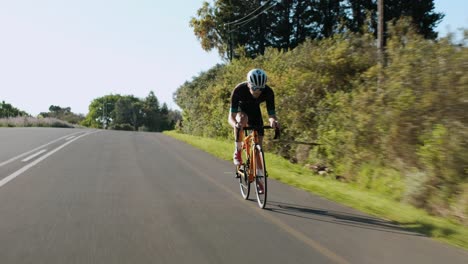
column 243, row 101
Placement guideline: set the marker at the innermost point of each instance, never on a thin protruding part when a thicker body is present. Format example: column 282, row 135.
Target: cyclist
column 245, row 108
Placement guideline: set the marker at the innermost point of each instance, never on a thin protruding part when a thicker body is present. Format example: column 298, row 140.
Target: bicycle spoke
column 244, row 183
column 260, row 179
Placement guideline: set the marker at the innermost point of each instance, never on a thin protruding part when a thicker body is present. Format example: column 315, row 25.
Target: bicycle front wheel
column 261, row 186
column 243, row 173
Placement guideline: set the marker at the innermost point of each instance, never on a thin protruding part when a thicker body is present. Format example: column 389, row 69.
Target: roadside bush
column 33, row 122
column 398, row 129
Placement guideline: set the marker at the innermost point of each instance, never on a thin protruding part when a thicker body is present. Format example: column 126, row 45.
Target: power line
column 250, row 19
column 244, row 21
column 238, row 21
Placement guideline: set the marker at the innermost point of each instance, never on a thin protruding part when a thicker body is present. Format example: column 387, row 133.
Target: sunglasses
column 256, row 88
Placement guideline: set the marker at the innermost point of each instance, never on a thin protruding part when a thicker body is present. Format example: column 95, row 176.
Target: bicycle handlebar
column 277, row 130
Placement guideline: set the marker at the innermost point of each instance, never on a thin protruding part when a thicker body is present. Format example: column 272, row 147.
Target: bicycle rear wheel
column 244, row 182
column 261, row 186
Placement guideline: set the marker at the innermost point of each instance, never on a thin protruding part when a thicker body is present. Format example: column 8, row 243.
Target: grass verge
column 375, row 204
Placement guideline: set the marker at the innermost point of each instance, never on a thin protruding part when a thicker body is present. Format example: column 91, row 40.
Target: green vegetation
column 11, row 116
column 255, row 26
column 399, row 129
column 376, row 203
column 62, row 113
column 130, row 113
column 7, row 111
column 111, row 111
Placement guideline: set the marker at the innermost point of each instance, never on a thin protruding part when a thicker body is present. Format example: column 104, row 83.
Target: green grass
column 375, row 204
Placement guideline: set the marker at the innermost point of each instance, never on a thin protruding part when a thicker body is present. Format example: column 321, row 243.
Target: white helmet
column 257, row 79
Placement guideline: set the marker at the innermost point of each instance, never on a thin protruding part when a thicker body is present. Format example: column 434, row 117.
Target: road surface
column 94, row 196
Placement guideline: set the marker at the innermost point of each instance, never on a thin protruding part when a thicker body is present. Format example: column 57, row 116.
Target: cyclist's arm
column 232, row 119
column 233, row 110
column 270, row 103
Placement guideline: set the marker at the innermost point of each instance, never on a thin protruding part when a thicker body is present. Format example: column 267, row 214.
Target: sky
column 67, row 53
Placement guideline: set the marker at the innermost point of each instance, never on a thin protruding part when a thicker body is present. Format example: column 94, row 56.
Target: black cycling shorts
column 255, row 119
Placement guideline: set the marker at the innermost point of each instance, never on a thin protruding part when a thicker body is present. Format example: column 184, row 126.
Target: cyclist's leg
column 242, row 119
column 259, row 161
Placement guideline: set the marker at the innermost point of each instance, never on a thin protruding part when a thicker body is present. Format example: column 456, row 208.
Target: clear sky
column 68, row 52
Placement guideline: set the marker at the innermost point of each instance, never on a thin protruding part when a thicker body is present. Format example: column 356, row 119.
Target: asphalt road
column 93, row 196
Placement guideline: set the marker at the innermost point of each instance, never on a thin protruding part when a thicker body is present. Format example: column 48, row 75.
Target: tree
column 215, row 30
column 357, row 12
column 64, row 114
column 129, row 113
column 7, row 110
column 257, row 25
column 165, row 123
column 327, row 16
column 422, row 13
column 209, row 29
column 101, row 111
column 195, row 98
column 151, row 111
column 128, row 110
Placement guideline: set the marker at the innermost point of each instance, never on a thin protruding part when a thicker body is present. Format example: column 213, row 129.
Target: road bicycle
column 253, row 168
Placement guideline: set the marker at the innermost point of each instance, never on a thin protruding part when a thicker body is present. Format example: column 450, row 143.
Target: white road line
column 30, row 165
column 26, row 153
column 34, row 155
column 68, row 138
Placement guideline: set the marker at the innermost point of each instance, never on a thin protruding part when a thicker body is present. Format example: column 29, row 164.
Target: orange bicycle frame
column 248, row 144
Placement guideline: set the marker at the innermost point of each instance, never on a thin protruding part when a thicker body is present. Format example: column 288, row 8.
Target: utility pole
column 230, row 51
column 380, row 30
column 261, row 42
column 380, row 42
column 105, row 113
column 230, row 43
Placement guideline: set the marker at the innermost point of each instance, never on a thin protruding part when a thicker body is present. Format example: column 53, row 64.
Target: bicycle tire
column 261, row 183
column 244, row 182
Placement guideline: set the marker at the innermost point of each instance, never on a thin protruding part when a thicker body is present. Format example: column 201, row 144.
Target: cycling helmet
column 257, row 79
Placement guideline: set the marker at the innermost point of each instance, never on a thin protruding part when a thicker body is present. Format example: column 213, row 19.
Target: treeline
column 11, row 116
column 250, row 27
column 7, row 110
column 399, row 129
column 127, row 112
column 62, row 113
column 118, row 112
